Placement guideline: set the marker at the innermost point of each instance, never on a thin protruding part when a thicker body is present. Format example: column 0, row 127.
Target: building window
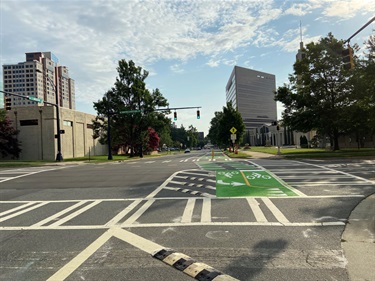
column 68, row 123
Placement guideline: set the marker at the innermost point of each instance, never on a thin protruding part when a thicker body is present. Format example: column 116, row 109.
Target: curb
column 358, row 241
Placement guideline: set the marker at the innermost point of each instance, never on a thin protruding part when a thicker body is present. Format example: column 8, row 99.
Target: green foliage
column 129, row 93
column 360, row 116
column 9, row 144
column 325, row 96
column 192, row 134
column 219, row 132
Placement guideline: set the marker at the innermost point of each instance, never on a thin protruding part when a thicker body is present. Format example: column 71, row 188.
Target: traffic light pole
column 59, row 156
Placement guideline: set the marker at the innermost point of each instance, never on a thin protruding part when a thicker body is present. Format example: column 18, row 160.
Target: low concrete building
column 38, row 126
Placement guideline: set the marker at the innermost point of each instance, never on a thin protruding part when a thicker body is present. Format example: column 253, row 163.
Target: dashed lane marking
column 184, row 190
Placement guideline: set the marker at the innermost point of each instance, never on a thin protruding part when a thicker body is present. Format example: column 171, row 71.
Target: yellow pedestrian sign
column 233, row 130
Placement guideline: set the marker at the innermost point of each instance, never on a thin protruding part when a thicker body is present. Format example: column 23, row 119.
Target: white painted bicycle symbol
column 228, row 174
column 254, row 176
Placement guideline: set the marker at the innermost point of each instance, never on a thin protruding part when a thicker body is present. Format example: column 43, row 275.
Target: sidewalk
column 257, row 155
column 358, row 241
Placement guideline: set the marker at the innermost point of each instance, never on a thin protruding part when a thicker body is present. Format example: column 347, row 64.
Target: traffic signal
column 347, row 58
column 175, row 116
column 8, row 103
column 198, row 114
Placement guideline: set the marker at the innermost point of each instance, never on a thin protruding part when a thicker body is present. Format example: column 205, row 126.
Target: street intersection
column 295, row 235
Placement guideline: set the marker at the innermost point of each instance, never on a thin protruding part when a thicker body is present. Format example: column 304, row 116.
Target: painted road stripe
column 178, row 182
column 164, row 225
column 23, row 211
column 337, row 171
column 139, row 213
column 17, row 208
column 306, row 184
column 164, row 184
column 184, row 190
column 181, row 177
column 254, row 205
column 196, row 174
column 76, row 213
column 28, row 173
column 71, row 266
column 296, row 191
column 60, row 213
column 206, row 210
column 275, row 211
column 123, row 213
column 181, row 198
column 189, row 266
column 188, row 212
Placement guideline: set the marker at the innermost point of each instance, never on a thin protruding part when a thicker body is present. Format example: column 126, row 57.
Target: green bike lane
column 244, row 178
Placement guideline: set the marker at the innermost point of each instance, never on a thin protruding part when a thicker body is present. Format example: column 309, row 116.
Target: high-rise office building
column 33, row 78
column 252, row 93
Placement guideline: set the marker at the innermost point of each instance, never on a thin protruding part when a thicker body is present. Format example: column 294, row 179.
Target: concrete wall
column 37, row 126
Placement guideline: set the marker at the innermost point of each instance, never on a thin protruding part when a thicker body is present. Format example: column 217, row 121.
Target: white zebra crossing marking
column 206, row 217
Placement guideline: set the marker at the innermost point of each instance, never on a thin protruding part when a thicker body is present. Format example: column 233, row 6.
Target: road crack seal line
column 189, row 266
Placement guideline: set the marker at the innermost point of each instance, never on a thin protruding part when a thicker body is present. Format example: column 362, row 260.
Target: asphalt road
column 106, row 221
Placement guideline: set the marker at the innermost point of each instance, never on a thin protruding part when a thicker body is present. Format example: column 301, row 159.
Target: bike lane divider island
column 243, row 178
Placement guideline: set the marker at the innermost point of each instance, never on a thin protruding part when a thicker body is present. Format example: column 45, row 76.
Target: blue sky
column 189, row 47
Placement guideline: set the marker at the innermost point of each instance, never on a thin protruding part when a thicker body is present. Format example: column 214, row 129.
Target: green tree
column 360, row 115
column 213, row 132
column 319, row 92
column 219, row 132
column 179, row 136
column 192, row 133
column 129, row 93
column 9, row 144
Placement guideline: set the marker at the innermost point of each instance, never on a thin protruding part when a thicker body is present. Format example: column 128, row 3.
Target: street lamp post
column 59, row 156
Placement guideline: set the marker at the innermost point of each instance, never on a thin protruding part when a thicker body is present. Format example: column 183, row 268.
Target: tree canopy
column 323, row 94
column 9, row 144
column 219, row 132
column 131, row 107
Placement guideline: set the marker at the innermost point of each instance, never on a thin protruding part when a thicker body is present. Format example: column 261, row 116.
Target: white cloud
column 91, row 36
column 299, row 9
column 347, row 8
column 177, row 68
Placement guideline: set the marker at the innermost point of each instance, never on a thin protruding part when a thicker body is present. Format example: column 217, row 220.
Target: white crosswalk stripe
column 7, row 175
column 132, row 214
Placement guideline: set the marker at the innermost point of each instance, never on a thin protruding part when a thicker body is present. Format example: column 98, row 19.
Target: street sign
column 36, row 99
column 233, row 130
column 129, row 111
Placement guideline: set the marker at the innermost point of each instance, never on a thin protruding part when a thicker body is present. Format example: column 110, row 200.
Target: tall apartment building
column 33, row 78
column 252, row 93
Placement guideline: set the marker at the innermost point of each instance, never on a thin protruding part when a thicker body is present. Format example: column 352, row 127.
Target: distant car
column 187, row 150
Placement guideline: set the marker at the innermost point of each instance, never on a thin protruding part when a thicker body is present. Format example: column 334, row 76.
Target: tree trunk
column 335, row 140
